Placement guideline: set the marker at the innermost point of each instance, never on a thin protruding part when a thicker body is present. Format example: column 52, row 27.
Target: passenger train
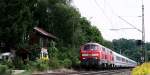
column 94, row 54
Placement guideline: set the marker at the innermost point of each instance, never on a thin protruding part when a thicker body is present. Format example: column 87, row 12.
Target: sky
column 104, row 14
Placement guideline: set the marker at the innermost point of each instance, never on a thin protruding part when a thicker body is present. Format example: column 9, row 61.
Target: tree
column 16, row 21
column 128, row 48
column 108, row 44
column 19, row 17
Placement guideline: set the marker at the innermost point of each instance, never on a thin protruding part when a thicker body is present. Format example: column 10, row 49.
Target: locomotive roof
column 92, row 43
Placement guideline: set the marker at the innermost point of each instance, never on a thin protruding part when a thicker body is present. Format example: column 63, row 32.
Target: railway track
column 105, row 72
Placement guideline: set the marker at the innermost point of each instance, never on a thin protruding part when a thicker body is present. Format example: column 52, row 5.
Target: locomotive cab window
column 94, row 47
column 86, row 47
column 90, row 47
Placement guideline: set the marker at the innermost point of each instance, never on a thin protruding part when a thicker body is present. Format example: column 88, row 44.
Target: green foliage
column 9, row 63
column 37, row 65
column 54, row 63
column 94, row 35
column 18, row 63
column 34, row 52
column 16, row 19
column 4, row 70
column 128, row 48
column 67, row 63
column 108, row 44
column 41, row 65
column 19, row 17
column 69, row 55
column 52, row 50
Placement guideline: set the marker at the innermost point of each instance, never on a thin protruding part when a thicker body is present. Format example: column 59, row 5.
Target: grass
column 143, row 69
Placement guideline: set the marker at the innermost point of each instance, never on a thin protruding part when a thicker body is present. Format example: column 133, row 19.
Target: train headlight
column 83, row 58
column 96, row 58
column 84, row 54
column 94, row 54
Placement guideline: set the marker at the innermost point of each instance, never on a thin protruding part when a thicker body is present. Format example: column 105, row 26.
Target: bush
column 18, row 63
column 143, row 69
column 52, row 50
column 8, row 63
column 38, row 65
column 4, row 70
column 54, row 63
column 30, row 65
column 41, row 65
column 67, row 63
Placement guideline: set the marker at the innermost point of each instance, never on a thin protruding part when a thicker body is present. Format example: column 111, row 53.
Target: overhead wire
column 102, row 10
column 121, row 17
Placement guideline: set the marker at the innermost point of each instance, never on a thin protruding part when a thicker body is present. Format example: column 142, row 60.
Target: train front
column 90, row 54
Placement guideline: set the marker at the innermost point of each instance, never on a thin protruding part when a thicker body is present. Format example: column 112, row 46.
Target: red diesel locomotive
column 94, row 54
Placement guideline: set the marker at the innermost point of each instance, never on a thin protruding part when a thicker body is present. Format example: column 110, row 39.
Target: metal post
column 120, row 51
column 143, row 34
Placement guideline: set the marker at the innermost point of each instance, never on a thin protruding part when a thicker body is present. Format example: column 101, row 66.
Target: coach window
column 118, row 58
column 123, row 60
column 110, row 52
column 112, row 58
column 127, row 61
column 105, row 56
column 103, row 49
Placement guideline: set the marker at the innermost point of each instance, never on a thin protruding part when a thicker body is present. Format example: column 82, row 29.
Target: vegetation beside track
column 143, row 69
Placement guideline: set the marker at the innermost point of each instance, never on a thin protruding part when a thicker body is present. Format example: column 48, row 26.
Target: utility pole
column 143, row 34
column 120, row 51
column 144, row 54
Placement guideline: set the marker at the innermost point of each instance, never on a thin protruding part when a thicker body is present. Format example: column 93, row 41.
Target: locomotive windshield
column 90, row 47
